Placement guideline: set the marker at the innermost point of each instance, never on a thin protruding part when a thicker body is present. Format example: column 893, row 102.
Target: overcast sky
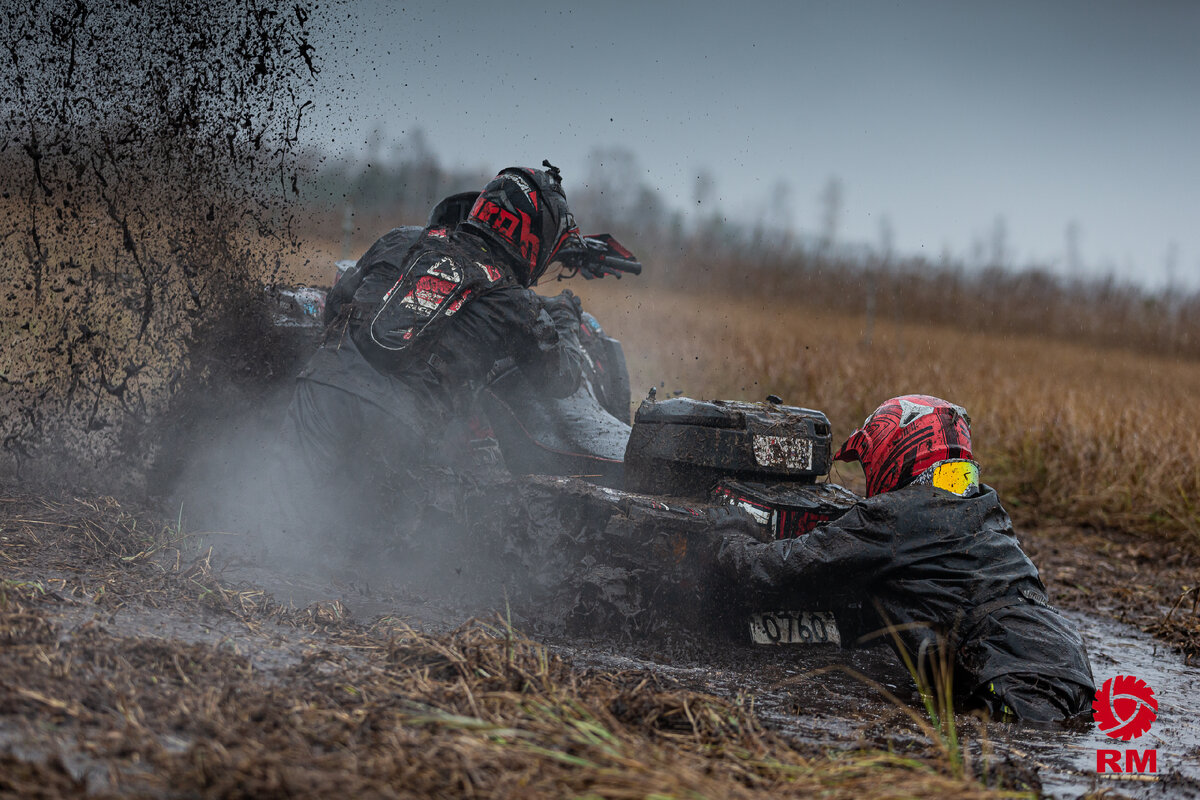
column 939, row 117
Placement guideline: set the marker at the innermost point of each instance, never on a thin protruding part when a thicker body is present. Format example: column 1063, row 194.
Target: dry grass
column 1066, row 432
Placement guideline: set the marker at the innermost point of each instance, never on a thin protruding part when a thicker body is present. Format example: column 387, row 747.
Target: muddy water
column 828, row 697
column 823, row 696
column 1067, row 760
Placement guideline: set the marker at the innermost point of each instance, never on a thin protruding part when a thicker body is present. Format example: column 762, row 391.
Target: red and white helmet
column 904, row 437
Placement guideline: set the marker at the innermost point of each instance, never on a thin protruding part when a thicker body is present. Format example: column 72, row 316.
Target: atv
column 659, row 491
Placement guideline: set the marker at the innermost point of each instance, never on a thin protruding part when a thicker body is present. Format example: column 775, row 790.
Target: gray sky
column 938, row 116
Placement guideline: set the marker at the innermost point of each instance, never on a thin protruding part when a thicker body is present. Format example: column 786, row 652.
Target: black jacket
column 939, row 567
column 362, row 420
column 453, row 357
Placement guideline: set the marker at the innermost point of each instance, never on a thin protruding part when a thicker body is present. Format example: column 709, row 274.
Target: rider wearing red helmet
column 415, row 328
column 524, row 211
column 906, row 436
column 935, row 552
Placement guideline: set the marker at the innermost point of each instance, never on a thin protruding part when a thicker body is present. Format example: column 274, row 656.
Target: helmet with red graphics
column 904, row 437
column 524, row 211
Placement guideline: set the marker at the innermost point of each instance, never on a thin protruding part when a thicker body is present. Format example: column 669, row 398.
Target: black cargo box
column 683, row 446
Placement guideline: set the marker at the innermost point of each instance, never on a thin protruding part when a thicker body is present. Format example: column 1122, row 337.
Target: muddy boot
column 1036, row 699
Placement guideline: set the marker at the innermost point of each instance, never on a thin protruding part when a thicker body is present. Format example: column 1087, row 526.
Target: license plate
column 794, row 627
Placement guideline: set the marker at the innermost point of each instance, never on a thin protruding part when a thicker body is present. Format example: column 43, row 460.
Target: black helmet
column 524, row 211
column 451, row 211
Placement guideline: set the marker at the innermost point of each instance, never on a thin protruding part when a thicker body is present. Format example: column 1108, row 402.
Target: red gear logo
column 1125, row 707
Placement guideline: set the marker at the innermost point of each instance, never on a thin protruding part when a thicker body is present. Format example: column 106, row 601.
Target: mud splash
column 147, row 158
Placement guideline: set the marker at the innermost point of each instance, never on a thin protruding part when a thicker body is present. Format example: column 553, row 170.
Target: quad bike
column 602, row 500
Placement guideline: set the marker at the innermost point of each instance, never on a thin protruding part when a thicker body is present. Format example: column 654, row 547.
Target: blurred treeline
column 352, row 198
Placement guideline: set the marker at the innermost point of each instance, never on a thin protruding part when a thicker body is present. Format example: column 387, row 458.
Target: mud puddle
column 823, row 697
column 1067, row 760
column 363, row 599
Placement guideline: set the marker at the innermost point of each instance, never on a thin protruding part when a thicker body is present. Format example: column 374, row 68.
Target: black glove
column 564, row 308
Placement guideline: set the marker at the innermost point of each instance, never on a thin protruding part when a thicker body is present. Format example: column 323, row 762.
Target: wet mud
column 135, row 660
column 1148, row 582
column 828, row 698
column 825, row 697
column 819, row 697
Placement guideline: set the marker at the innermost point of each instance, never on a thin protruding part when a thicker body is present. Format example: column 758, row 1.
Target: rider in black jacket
column 935, row 551
column 414, row 330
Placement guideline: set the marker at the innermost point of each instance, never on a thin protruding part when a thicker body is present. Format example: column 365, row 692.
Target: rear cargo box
column 683, row 446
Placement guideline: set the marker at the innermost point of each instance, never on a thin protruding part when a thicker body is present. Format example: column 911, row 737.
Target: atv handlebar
column 611, row 265
column 597, row 256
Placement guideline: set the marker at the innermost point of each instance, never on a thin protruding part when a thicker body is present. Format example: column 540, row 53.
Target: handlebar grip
column 622, row 265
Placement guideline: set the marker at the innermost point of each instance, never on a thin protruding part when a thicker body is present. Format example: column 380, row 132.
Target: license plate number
column 794, row 627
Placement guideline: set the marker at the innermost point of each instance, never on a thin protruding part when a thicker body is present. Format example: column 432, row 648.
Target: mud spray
column 149, row 168
column 148, row 160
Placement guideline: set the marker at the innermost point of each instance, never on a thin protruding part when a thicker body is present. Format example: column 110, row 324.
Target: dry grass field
column 1067, row 433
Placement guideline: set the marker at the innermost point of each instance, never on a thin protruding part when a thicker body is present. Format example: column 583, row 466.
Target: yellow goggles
column 958, row 476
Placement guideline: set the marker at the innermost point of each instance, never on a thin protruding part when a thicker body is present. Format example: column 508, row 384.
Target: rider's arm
column 539, row 336
column 551, row 356
column 834, row 558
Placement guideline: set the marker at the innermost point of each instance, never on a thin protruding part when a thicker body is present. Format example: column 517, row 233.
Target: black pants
column 344, row 469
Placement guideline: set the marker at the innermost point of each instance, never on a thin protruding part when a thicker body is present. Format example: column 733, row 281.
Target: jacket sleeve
column 553, row 361
column 342, row 292
column 837, row 558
